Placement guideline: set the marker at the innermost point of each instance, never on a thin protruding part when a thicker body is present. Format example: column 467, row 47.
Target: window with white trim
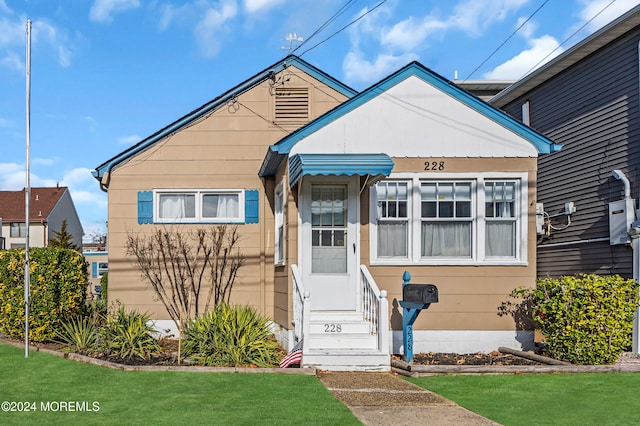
column 393, row 219
column 450, row 219
column 501, row 221
column 98, row 269
column 17, row 229
column 446, row 219
column 278, row 249
column 206, row 206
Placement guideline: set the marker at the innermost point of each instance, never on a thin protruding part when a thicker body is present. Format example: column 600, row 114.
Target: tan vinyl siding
column 469, row 295
column 223, row 150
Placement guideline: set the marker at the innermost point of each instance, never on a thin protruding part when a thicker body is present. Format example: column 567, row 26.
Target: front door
column 329, row 252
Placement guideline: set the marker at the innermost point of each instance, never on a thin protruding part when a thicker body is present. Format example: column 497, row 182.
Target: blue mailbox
column 415, row 298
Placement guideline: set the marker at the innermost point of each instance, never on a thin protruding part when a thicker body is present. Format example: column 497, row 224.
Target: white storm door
column 329, row 242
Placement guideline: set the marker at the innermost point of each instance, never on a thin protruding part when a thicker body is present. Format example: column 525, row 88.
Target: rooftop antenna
column 291, row 37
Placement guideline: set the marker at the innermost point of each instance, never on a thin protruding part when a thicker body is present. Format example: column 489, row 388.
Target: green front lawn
column 127, row 397
column 545, row 399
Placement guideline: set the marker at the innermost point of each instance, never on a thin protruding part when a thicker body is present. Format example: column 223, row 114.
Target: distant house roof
column 484, row 89
column 581, row 50
column 278, row 151
column 42, row 202
column 217, row 102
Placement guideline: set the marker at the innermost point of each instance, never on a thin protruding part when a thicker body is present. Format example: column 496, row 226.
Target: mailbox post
column 416, row 297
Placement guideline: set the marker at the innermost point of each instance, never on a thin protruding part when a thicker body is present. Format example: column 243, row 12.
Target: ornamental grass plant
column 231, row 336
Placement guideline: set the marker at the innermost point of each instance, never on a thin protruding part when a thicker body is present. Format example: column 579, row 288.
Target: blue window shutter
column 94, row 269
column 145, row 207
column 251, row 206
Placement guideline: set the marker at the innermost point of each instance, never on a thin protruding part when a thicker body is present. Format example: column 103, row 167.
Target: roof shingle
column 43, row 200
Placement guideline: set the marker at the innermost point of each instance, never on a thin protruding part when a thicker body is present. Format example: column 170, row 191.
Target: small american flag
column 293, row 357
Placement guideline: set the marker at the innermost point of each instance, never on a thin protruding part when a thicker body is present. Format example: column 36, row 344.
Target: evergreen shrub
column 58, row 285
column 585, row 319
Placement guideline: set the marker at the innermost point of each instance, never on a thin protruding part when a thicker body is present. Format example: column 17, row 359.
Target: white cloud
column 11, row 32
column 475, row 16
column 103, row 10
column 360, row 70
column 13, row 178
column 253, row 6
column 44, row 161
column 209, row 29
column 77, row 177
column 537, row 54
column 12, row 61
column 399, row 42
column 51, row 35
column 129, row 140
column 411, row 33
column 12, row 37
column 4, row 8
column 591, row 8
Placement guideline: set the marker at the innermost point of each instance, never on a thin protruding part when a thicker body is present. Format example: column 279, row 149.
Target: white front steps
column 342, row 341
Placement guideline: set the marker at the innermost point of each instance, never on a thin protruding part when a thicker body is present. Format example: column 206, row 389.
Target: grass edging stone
column 193, row 368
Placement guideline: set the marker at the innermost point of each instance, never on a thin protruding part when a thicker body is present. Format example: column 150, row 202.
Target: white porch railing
column 375, row 308
column 301, row 309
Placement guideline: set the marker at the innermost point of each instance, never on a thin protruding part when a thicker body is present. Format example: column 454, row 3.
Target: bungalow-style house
column 339, row 193
column 48, row 207
column 587, row 99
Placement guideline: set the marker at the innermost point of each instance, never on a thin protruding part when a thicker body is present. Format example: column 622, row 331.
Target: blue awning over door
column 377, row 165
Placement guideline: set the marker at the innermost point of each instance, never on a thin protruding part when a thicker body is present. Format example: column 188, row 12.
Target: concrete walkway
column 380, row 399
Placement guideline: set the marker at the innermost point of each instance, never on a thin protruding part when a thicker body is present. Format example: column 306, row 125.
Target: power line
column 569, row 38
column 508, row 38
column 330, row 20
column 345, row 27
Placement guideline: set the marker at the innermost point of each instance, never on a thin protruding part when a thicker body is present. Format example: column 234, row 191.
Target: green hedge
column 58, row 284
column 585, row 319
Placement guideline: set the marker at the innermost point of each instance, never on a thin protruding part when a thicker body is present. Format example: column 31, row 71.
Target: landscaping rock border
column 192, row 368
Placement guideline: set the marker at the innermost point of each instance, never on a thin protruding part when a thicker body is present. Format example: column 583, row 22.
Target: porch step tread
column 345, row 352
column 338, row 341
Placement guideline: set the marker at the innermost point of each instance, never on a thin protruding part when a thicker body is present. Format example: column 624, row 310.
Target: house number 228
column 434, row 165
column 333, row 328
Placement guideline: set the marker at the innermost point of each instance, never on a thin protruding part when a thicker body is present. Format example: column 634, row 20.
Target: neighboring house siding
column 592, row 109
column 222, row 150
column 65, row 210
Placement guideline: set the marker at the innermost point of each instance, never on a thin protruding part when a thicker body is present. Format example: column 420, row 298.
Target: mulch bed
column 491, row 358
column 168, row 357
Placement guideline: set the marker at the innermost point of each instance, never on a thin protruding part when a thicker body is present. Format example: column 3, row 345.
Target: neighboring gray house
column 586, row 99
column 48, row 207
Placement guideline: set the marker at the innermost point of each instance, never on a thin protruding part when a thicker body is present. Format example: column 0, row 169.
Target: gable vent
column 292, row 105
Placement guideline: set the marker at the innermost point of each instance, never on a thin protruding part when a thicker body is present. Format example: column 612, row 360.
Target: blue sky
column 107, row 73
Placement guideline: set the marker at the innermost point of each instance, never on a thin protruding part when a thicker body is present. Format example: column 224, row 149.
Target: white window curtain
column 446, row 239
column 393, row 221
column 177, row 206
column 392, row 239
column 220, row 206
column 500, row 238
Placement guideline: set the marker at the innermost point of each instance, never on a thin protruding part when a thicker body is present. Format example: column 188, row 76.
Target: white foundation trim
column 464, row 341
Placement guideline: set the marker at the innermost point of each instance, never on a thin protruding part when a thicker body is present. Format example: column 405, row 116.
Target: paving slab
column 380, row 399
